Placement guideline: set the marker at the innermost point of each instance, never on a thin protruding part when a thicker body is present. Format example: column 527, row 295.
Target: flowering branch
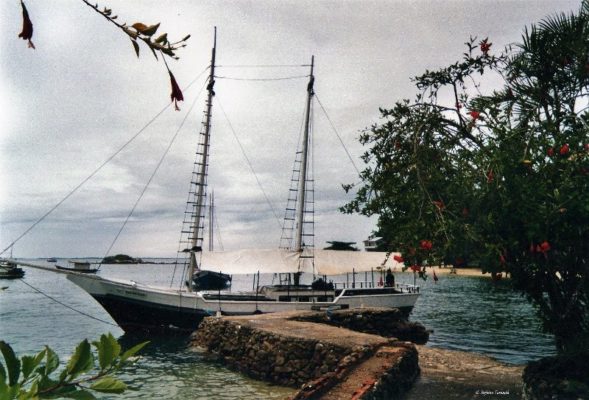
column 137, row 31
column 145, row 33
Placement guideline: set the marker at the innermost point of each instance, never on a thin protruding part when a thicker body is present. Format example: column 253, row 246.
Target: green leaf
column 12, row 363
column 109, row 385
column 3, row 385
column 51, row 360
column 136, row 47
column 45, row 382
column 63, row 391
column 80, row 395
column 63, row 375
column 132, row 351
column 9, row 392
column 81, row 361
column 33, row 390
column 29, row 363
column 108, row 350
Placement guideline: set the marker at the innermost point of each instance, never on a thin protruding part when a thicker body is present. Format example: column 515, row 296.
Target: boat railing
column 355, row 285
column 407, row 288
column 401, row 287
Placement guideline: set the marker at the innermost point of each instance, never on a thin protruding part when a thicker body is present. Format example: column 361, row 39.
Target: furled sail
column 327, row 262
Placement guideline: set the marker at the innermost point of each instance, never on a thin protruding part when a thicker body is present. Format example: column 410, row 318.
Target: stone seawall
column 390, row 323
column 287, row 349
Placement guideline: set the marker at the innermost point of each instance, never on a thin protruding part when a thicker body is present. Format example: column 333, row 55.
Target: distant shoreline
column 476, row 272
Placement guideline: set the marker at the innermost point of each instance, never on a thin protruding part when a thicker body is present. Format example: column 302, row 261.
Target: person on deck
column 389, row 279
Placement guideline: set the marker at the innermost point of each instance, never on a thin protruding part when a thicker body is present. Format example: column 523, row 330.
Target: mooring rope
column 66, row 306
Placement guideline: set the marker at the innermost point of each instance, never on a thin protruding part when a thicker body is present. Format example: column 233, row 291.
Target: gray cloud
column 69, row 104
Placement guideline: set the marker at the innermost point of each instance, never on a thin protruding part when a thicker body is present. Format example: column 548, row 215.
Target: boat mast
column 201, row 182
column 211, row 220
column 302, row 194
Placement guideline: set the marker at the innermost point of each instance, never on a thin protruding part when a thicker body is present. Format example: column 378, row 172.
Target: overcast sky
column 71, row 103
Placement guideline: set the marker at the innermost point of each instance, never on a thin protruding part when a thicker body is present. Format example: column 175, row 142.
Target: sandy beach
column 450, row 271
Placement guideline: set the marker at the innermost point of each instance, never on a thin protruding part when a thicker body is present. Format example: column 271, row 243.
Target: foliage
column 37, row 377
column 561, row 377
column 499, row 179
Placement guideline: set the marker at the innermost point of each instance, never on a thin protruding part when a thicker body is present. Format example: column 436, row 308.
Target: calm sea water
column 465, row 313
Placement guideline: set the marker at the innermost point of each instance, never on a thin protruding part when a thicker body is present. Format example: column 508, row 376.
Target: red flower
column 550, row 152
column 485, row 46
column 426, row 245
column 586, row 146
column 415, row 268
column 490, row 176
column 501, row 258
column 475, row 114
column 544, row 247
column 27, row 26
column 398, row 259
column 176, row 94
column 564, row 150
column 439, row 204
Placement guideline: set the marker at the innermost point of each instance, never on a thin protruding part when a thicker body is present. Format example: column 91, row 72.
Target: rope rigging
column 283, row 78
column 157, row 167
column 66, row 306
column 98, row 169
column 338, row 135
column 152, row 120
column 263, row 66
column 249, row 163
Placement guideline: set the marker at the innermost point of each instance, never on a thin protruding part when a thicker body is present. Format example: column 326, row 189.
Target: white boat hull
column 137, row 307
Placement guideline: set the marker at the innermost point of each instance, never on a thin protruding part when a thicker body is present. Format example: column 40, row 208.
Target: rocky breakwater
column 287, row 349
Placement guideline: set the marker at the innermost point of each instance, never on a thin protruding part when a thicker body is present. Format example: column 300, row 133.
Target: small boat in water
column 78, row 266
column 52, row 259
column 210, row 280
column 10, row 270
